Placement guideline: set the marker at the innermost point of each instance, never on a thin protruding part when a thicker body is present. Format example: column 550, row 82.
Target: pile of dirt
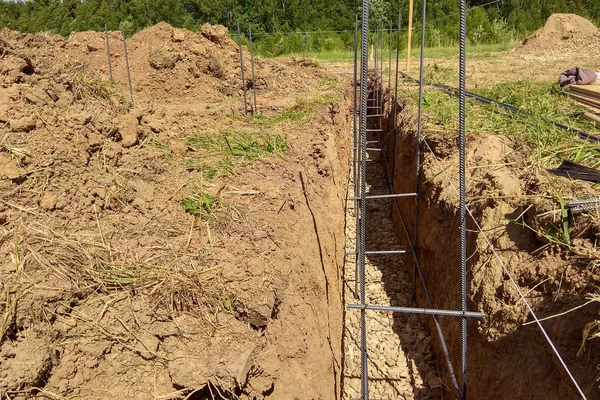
column 558, row 30
column 111, row 287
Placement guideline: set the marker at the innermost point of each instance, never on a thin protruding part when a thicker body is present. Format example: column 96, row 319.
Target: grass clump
column 539, row 101
column 232, row 143
column 201, row 202
column 286, row 115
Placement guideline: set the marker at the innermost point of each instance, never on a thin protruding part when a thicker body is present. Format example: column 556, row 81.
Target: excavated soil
column 507, row 354
column 563, row 33
column 108, row 288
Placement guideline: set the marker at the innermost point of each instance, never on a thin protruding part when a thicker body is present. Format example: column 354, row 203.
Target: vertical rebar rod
column 376, row 67
column 20, row 35
column 355, row 153
column 4, row 32
column 462, row 188
column 364, row 370
column 419, row 135
column 393, row 172
column 307, row 46
column 242, row 68
column 381, row 51
column 255, row 109
column 390, row 71
column 108, row 53
column 127, row 63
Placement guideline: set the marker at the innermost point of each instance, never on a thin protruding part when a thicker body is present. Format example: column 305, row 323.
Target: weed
column 201, row 202
column 158, row 144
column 328, row 83
column 286, row 115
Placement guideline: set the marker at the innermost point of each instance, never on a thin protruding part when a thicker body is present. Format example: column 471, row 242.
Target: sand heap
column 559, row 28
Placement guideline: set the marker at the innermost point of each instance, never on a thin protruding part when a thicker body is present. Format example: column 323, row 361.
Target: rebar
column 255, row 109
column 417, row 310
column 242, row 68
column 108, row 53
column 419, row 135
column 363, row 192
column 395, row 117
column 127, row 63
column 390, row 71
column 355, row 149
column 375, row 67
column 462, row 188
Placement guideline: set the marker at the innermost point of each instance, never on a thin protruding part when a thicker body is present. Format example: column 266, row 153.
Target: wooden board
column 588, row 101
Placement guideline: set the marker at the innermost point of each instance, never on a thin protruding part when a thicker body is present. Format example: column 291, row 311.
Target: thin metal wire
column 510, row 277
column 462, row 187
column 108, row 53
column 127, row 63
column 242, row 68
column 255, row 108
column 364, row 369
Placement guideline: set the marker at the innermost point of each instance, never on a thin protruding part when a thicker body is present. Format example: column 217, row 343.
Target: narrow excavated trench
column 401, row 363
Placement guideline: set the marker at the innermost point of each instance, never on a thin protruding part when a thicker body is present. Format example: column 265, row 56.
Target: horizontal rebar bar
column 416, row 310
column 349, row 253
column 386, row 196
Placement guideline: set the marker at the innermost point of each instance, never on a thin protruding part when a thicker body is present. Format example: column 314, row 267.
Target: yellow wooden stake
column 410, row 19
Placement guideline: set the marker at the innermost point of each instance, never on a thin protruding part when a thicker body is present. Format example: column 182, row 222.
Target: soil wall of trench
column 506, row 359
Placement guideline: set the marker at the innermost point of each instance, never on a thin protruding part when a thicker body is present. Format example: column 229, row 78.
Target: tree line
column 489, row 21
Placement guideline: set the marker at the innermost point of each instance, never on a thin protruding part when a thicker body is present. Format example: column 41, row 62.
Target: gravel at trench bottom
column 401, row 363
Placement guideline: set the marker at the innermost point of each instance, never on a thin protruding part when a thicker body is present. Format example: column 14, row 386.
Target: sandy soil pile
column 108, row 288
column 567, row 32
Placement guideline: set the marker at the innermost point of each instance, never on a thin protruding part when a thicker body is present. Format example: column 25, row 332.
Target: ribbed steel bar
column 462, row 188
column 375, row 252
column 242, row 68
column 419, row 135
column 364, row 369
column 416, row 310
column 108, row 53
column 381, row 51
column 255, row 108
column 375, row 68
column 127, row 63
column 396, row 91
column 355, row 151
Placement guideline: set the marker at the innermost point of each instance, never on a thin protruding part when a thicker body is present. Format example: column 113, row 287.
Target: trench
column 516, row 364
column 401, row 362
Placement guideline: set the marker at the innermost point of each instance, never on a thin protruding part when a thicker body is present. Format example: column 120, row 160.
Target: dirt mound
column 174, row 246
column 557, row 29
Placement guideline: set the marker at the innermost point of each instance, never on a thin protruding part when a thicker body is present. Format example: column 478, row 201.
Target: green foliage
column 277, row 25
column 200, row 202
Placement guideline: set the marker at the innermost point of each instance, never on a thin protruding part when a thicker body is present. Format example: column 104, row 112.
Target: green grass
column 479, row 51
column 200, row 202
column 287, row 115
column 546, row 143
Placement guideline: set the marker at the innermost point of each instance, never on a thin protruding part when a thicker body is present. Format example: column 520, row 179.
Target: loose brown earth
column 109, row 288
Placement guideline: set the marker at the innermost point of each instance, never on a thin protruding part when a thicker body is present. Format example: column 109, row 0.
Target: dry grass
column 90, row 263
column 592, row 329
column 86, row 83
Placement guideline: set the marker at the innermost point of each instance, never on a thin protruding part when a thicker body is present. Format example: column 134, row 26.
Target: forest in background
column 274, row 22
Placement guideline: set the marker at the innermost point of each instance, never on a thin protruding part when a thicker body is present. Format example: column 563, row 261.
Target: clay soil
column 512, row 201
column 172, row 248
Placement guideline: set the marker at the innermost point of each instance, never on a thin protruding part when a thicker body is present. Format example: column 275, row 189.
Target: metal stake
column 462, row 188
column 108, row 53
column 127, row 64
column 255, row 109
column 242, row 67
column 355, row 151
column 363, row 193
